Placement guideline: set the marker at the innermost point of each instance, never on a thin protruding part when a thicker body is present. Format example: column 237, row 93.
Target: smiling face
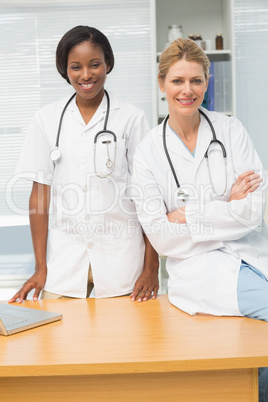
column 185, row 86
column 86, row 70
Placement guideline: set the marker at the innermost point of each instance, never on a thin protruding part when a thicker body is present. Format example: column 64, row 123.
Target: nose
column 86, row 74
column 187, row 89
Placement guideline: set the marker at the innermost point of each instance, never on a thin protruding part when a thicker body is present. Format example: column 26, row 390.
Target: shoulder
column 153, row 137
column 224, row 124
column 217, row 117
column 221, row 118
column 52, row 109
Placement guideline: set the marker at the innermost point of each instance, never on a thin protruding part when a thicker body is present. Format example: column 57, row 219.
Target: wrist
column 41, row 268
column 151, row 266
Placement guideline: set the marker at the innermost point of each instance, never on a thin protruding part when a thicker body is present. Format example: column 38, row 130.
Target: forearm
column 38, row 214
column 39, row 219
column 147, row 284
column 151, row 259
column 225, row 220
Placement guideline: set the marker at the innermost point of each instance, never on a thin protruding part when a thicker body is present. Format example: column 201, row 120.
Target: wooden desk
column 115, row 350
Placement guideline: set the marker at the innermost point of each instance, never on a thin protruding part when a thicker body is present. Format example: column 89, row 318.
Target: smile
column 186, row 101
column 87, row 85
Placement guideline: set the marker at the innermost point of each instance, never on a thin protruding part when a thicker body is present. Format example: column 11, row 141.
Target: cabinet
column 206, row 17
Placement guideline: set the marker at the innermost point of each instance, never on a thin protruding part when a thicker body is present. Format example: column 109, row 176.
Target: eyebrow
column 78, row 62
column 181, row 77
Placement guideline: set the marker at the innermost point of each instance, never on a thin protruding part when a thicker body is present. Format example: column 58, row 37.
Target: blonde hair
column 179, row 49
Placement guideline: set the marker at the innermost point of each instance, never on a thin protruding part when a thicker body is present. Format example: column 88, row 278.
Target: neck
column 186, row 127
column 88, row 107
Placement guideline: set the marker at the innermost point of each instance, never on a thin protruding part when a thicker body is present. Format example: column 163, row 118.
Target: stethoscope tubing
column 55, row 154
column 61, row 117
column 214, row 140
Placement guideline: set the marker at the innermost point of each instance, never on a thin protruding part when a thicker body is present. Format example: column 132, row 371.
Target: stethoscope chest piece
column 218, row 175
column 105, row 142
column 182, row 195
column 55, row 155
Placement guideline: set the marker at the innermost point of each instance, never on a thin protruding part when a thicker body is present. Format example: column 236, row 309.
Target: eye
column 95, row 65
column 74, row 67
column 177, row 81
column 197, row 81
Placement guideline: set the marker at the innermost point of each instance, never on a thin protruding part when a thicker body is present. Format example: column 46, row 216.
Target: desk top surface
column 118, row 336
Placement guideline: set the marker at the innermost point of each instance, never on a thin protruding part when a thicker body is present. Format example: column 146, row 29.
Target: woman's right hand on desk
column 246, row 183
column 37, row 282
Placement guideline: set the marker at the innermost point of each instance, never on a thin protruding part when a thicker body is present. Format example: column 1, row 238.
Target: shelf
column 218, row 52
column 213, row 55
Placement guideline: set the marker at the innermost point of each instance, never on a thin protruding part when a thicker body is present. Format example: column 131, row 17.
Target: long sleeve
column 235, row 219
column 167, row 238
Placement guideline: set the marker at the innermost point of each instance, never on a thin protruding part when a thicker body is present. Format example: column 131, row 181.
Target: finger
column 155, row 292
column 36, row 294
column 245, row 174
column 253, row 188
column 14, row 298
column 255, row 181
column 135, row 293
column 148, row 294
column 24, row 292
column 252, row 183
column 142, row 295
column 250, row 178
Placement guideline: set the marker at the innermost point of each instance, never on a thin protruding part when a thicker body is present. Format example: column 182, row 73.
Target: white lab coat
column 204, row 255
column 92, row 219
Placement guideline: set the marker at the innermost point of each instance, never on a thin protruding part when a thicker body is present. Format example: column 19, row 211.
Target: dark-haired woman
column 94, row 238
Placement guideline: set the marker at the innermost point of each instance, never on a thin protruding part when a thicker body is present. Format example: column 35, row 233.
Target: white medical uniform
column 203, row 255
column 92, row 219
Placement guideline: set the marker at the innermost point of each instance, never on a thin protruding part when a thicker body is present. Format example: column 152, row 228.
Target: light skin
column 185, row 86
column 86, row 70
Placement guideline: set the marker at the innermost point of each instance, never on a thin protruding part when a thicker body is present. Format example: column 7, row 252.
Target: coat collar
column 100, row 112
column 175, row 146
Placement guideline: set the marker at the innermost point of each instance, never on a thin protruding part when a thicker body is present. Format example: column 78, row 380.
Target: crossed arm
column 246, row 183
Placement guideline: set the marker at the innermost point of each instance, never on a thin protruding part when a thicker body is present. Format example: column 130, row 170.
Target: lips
column 186, row 101
column 87, row 86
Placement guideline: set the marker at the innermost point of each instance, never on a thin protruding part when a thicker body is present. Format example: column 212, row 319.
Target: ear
column 207, row 85
column 108, row 68
column 161, row 83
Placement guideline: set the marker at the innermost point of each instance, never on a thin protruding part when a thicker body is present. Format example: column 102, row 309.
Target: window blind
column 251, row 63
column 30, row 31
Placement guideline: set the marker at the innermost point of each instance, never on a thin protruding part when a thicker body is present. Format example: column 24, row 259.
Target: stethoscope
column 183, row 195
column 55, row 154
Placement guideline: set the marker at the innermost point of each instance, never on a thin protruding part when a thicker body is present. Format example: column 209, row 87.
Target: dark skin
column 86, row 70
column 38, row 207
column 146, row 284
